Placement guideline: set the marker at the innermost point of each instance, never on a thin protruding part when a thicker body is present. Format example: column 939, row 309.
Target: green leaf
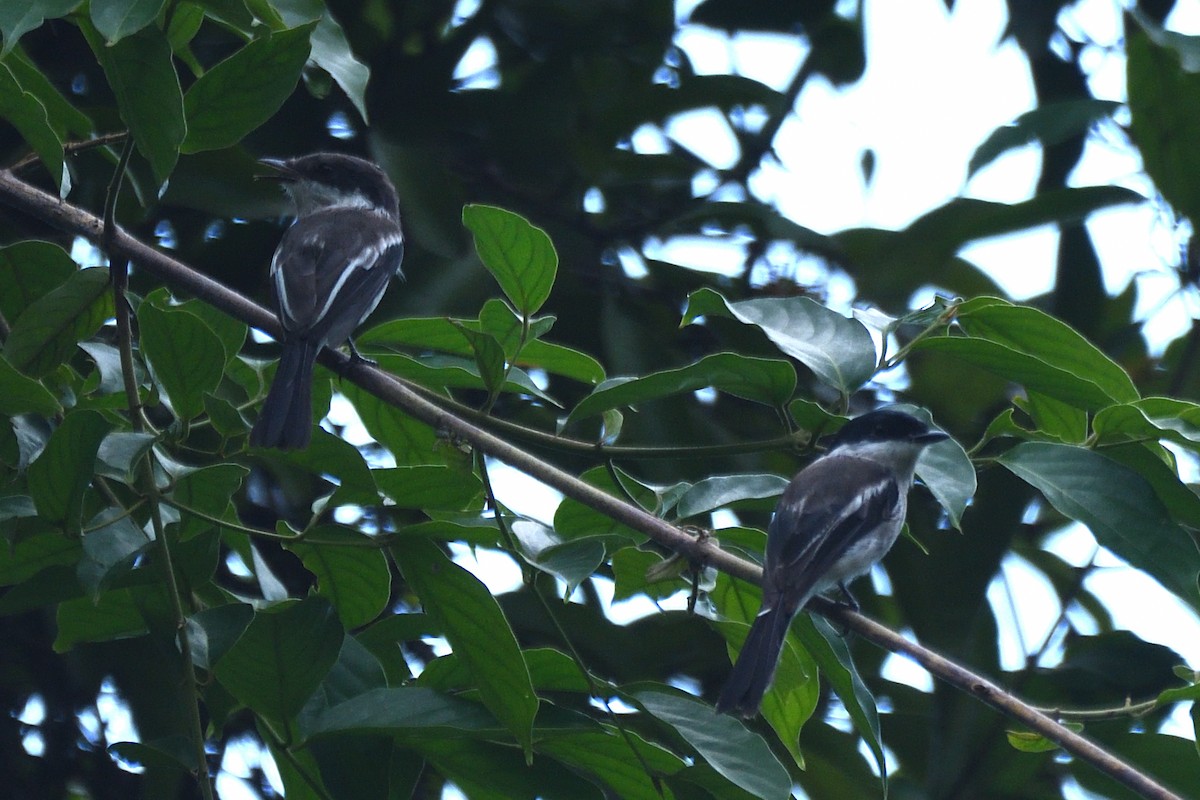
column 142, row 76
column 448, row 372
column 109, row 552
column 764, row 380
column 1162, row 92
column 1117, row 504
column 282, row 657
column 29, row 271
column 332, row 455
column 519, row 255
column 409, row 441
column 473, row 624
column 574, row 520
column 25, row 112
column 62, row 473
column 245, row 90
column 116, row 19
column 443, row 334
column 1019, row 367
column 795, row 690
column 330, row 49
column 572, row 561
column 21, row 395
column 17, row 19
column 1048, row 124
column 63, row 117
column 415, row 710
column 45, row 335
column 947, row 470
column 26, row 557
column 828, row 649
column 610, row 759
column 489, row 357
column 1153, row 417
column 213, row 631
column 113, row 615
column 350, row 572
column 719, row 491
column 430, row 486
column 1048, row 339
column 186, row 357
column 838, row 350
column 209, row 491
column 723, row 742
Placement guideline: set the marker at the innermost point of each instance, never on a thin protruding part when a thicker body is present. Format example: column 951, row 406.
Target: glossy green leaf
column 1048, row 124
column 116, row 19
column 410, row 441
column 20, row 394
column 477, row 631
column 792, row 698
column 828, row 649
column 1162, row 93
column 142, row 76
column 282, row 657
column 212, row 631
column 764, row 380
column 489, row 357
column 723, row 742
column 330, row 49
column 1117, row 504
column 350, row 573
column 610, row 759
column 109, row 552
column 431, row 486
column 30, row 270
column 332, row 455
column 62, row 473
column 719, row 491
column 631, row 575
column 113, row 615
column 28, row 556
column 25, row 112
column 186, row 357
column 1154, row 418
column 443, row 335
column 1033, row 332
column 449, row 372
column 411, row 709
column 1019, row 367
column 245, row 90
column 208, row 491
column 573, row 520
column 947, row 470
column 838, row 350
column 62, row 115
column 17, row 19
column 46, row 333
column 572, row 561
column 519, row 255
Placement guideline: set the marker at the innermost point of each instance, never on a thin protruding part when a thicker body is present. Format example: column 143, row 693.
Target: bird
column 328, row 274
column 836, row 518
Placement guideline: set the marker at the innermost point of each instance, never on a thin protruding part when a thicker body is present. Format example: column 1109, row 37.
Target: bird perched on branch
column 836, row 518
column 328, row 274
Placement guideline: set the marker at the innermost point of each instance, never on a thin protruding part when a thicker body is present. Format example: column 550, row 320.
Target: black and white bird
column 328, row 274
column 838, row 516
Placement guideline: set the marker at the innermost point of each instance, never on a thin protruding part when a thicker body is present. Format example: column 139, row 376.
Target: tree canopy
column 312, row 605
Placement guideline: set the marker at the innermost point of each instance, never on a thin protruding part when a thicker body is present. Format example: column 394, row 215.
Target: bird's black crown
column 885, row 425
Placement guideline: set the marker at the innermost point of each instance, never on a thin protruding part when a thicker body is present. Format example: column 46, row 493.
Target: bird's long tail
column 755, row 667
column 286, row 418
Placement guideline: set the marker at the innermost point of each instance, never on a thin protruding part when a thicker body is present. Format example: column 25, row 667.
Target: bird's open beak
column 278, row 170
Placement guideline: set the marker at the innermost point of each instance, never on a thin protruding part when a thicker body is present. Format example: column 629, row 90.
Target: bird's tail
column 286, row 418
column 755, row 667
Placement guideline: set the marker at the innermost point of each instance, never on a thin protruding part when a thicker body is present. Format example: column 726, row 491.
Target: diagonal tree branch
column 71, row 219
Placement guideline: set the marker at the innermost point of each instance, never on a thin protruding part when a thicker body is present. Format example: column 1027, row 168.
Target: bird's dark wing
column 829, row 507
column 331, row 270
